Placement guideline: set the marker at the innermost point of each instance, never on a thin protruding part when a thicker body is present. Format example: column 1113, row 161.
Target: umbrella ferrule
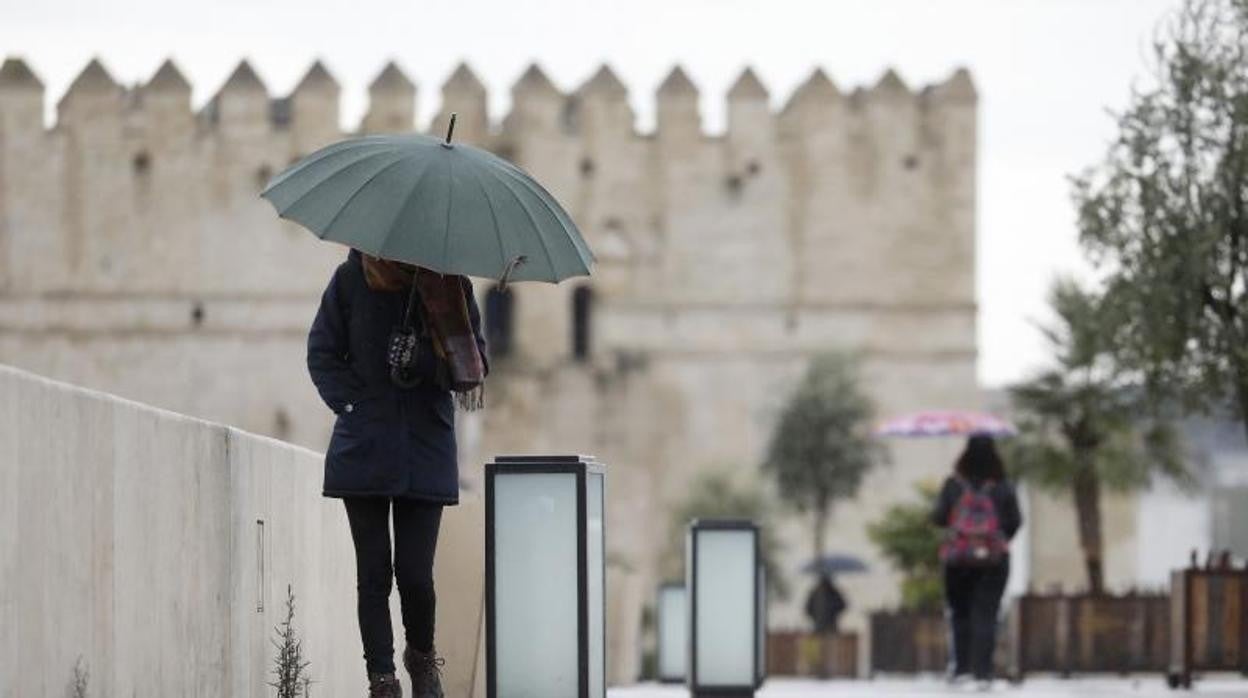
column 450, row 131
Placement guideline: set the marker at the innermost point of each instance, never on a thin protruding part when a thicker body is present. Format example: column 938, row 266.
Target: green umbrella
column 444, row 206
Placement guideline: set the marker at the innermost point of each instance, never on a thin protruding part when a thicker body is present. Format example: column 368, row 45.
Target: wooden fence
column 908, row 642
column 1209, row 619
column 800, row 653
column 1089, row 633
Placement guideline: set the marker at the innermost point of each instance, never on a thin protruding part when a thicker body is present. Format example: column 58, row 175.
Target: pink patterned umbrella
column 946, row 423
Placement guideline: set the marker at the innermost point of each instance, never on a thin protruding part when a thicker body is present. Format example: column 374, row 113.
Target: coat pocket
column 444, row 411
column 350, row 447
column 354, row 435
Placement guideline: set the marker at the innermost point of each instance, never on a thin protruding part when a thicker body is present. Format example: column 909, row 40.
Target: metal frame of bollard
column 696, row 689
column 581, row 467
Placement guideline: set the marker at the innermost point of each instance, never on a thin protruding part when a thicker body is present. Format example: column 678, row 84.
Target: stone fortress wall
column 137, row 258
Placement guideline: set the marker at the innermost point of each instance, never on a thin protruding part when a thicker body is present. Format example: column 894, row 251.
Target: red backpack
column 974, row 535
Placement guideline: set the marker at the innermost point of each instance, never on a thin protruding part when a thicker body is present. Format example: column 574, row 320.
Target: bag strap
column 411, row 302
column 984, row 487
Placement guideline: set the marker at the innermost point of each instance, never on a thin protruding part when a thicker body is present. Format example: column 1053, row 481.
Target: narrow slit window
column 499, row 311
column 582, row 322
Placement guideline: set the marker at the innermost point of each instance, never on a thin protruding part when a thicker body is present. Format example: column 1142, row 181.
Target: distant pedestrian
column 394, row 439
column 979, row 510
column 824, row 605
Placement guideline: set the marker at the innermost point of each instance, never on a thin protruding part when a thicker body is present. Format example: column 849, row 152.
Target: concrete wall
column 129, row 537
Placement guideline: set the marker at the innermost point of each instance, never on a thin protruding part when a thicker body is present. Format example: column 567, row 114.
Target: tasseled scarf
column 445, row 311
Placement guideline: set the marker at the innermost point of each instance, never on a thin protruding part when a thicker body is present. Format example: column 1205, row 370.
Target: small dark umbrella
column 834, row 564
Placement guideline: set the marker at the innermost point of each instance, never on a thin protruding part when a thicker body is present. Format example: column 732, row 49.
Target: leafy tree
column 1165, row 215
column 716, row 494
column 822, row 446
column 1084, row 425
column 907, row 538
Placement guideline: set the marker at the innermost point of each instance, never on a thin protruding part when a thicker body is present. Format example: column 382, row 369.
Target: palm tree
column 1084, row 425
column 822, row 446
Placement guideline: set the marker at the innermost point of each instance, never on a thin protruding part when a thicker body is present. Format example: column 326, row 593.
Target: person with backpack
column 978, row 509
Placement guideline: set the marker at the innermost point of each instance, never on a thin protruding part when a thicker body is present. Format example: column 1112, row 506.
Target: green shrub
column 906, row 537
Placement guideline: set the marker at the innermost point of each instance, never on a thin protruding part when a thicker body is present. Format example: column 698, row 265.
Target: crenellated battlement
column 839, row 198
column 243, row 106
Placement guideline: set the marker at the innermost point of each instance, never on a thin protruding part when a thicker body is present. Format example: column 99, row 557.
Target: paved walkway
column 1143, row 687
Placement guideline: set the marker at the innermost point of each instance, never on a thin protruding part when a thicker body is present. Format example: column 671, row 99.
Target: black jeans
column 973, row 595
column 415, row 537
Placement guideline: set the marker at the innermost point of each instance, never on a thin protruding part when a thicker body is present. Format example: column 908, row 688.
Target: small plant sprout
column 289, row 667
column 78, row 684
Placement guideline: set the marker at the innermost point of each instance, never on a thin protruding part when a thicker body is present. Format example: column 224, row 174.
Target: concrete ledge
column 158, row 549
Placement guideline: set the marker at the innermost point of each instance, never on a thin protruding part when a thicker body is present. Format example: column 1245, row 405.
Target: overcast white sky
column 1047, row 72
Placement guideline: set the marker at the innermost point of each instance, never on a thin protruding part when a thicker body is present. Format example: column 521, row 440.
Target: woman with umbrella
column 397, row 342
column 979, row 511
column 393, row 442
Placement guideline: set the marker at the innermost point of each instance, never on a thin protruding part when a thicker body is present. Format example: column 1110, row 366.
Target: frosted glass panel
column 535, row 585
column 595, row 572
column 725, row 607
column 673, row 638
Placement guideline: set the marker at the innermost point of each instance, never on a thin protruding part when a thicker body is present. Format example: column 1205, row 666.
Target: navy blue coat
column 387, row 441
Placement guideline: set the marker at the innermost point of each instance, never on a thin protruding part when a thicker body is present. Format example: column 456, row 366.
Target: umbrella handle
column 507, row 270
column 450, row 130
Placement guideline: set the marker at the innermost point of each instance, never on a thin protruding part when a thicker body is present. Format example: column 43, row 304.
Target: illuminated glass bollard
column 727, row 594
column 544, row 577
column 673, row 636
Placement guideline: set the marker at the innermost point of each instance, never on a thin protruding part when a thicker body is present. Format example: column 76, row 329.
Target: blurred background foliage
column 719, row 493
column 908, row 540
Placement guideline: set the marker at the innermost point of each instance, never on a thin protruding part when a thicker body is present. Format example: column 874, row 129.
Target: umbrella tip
column 450, row 128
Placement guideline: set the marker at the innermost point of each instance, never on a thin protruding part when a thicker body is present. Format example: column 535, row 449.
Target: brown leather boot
column 426, row 672
column 384, row 686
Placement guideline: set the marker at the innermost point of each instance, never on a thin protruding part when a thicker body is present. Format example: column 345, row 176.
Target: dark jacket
column 1003, row 498
column 387, row 441
column 824, row 606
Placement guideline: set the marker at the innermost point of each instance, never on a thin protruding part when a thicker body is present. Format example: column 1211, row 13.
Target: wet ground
column 1141, row 687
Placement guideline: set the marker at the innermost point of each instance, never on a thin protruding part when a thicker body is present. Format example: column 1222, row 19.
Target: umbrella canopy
column 946, row 423
column 444, row 206
column 834, row 564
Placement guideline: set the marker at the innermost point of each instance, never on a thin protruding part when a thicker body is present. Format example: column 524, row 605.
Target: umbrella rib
column 537, row 231
column 450, row 189
column 572, row 234
column 507, row 170
column 323, row 180
column 556, row 211
column 398, row 215
column 498, row 231
column 313, row 159
column 522, row 177
column 356, row 193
